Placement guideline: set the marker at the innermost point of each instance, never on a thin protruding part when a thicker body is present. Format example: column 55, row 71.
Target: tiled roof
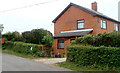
column 94, row 13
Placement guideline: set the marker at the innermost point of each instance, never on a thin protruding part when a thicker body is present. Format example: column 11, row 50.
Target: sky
column 41, row 16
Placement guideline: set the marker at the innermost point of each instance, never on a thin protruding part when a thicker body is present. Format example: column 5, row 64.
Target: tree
column 38, row 35
column 35, row 36
column 27, row 36
column 48, row 40
column 13, row 36
column 17, row 36
column 9, row 36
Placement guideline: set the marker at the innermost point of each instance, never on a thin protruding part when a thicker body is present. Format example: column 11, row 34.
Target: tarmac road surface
column 14, row 63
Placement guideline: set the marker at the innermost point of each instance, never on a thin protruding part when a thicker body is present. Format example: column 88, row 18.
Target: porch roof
column 73, row 34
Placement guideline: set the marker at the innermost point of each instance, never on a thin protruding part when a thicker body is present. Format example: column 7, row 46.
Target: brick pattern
column 68, row 21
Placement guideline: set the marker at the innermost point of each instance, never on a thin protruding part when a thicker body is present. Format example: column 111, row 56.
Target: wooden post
column 43, row 47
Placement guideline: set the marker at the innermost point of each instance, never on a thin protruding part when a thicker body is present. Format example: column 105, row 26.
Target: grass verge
column 19, row 54
column 72, row 66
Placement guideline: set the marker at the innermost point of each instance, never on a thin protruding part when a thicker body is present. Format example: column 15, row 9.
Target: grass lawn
column 72, row 66
column 18, row 54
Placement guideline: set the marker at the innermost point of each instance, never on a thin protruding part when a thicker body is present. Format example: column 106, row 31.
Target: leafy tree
column 48, row 40
column 27, row 36
column 17, row 36
column 8, row 35
column 38, row 35
column 13, row 36
column 35, row 36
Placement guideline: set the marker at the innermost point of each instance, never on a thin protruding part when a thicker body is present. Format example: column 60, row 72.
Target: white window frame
column 80, row 24
column 103, row 24
column 116, row 27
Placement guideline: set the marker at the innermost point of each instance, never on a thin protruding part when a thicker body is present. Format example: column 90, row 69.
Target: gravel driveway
column 50, row 60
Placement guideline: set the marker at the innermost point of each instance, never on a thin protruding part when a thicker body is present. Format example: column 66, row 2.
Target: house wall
column 110, row 26
column 68, row 21
column 55, row 45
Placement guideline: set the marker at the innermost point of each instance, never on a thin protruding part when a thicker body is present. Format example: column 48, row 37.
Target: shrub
column 48, row 40
column 24, row 48
column 88, row 39
column 102, row 39
column 115, row 37
column 12, row 36
column 48, row 52
column 35, row 36
column 97, row 56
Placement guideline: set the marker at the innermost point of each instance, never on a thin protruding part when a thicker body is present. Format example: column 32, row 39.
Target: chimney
column 94, row 6
column 119, row 11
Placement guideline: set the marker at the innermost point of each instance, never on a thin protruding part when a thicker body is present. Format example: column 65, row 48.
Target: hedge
column 24, row 48
column 102, row 39
column 89, row 55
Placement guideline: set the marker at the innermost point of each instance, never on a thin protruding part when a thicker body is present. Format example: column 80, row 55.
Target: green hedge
column 102, row 39
column 24, row 48
column 89, row 55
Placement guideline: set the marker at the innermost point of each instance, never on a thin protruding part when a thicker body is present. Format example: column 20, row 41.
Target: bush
column 88, row 39
column 24, row 48
column 48, row 52
column 115, row 37
column 97, row 56
column 48, row 40
column 102, row 39
column 12, row 36
column 35, row 36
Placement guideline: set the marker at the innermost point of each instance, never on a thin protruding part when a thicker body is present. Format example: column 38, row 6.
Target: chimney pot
column 94, row 6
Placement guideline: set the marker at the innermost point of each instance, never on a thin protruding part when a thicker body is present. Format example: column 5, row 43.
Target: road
column 13, row 63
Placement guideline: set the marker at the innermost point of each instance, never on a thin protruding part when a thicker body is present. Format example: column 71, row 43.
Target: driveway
column 50, row 60
column 13, row 63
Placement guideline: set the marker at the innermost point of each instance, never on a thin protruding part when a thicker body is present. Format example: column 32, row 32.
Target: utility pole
column 119, row 11
column 1, row 29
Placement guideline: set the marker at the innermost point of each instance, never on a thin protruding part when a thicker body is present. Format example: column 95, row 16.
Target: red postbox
column 3, row 41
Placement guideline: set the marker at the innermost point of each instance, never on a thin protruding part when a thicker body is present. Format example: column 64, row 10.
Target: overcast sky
column 41, row 16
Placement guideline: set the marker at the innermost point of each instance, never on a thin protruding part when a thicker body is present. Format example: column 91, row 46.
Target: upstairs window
column 116, row 27
column 80, row 24
column 103, row 24
column 60, row 44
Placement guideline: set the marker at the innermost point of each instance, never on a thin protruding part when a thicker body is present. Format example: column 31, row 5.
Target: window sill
column 104, row 28
column 80, row 28
column 60, row 48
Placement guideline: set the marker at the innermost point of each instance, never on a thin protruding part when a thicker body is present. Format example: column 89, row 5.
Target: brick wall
column 68, row 21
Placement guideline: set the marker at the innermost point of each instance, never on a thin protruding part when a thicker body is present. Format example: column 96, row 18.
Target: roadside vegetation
column 29, row 43
column 98, row 52
column 34, row 36
column 94, row 52
column 19, row 54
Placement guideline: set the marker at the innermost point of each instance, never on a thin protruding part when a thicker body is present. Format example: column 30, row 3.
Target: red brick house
column 76, row 21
